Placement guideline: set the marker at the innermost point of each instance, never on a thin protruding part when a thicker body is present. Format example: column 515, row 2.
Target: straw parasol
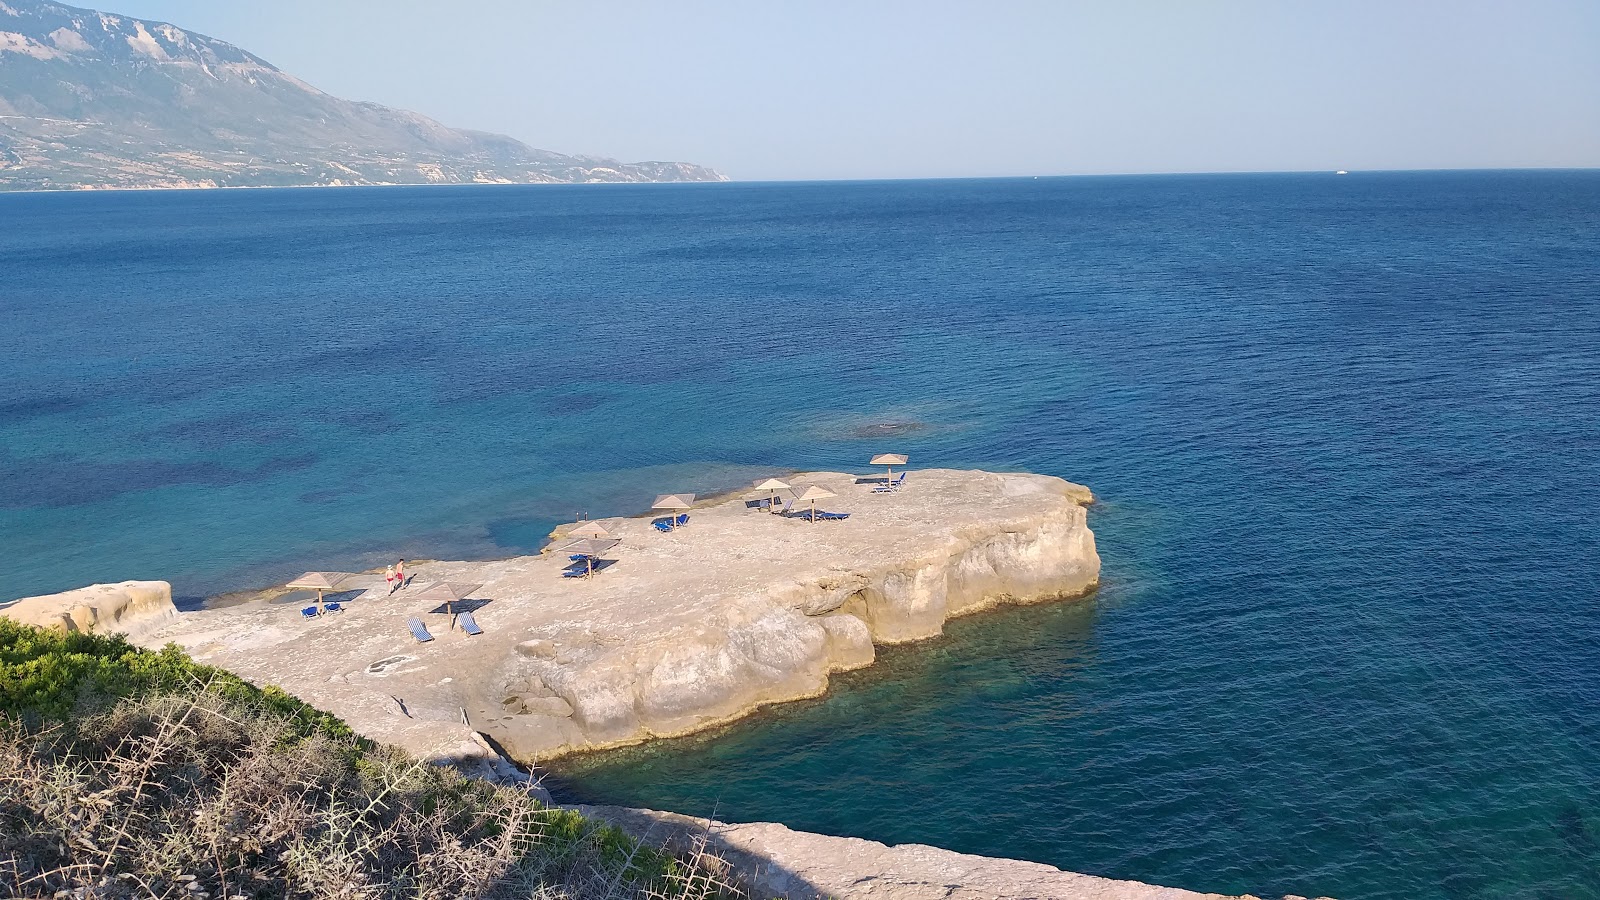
column 673, row 503
column 589, row 530
column 773, row 486
column 450, row 592
column 890, row 460
column 590, row 549
column 814, row 493
column 319, row 582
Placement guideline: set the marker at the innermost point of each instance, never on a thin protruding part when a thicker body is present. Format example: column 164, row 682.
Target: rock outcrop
column 133, row 608
column 771, row 860
column 680, row 631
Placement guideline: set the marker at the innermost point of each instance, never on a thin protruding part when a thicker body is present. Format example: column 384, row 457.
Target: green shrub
column 127, row 773
column 47, row 675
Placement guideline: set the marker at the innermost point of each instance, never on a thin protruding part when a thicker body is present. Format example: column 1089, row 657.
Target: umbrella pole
column 320, row 610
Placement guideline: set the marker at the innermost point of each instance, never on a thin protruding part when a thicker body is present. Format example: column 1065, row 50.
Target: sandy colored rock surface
column 775, row 861
column 681, row 632
column 132, row 607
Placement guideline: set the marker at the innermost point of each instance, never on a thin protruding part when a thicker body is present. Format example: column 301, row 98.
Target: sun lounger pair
column 420, row 631
column 888, row 486
column 820, row 515
column 311, row 612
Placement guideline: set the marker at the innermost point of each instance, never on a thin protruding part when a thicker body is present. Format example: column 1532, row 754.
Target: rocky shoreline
column 685, row 630
column 772, row 860
column 682, row 631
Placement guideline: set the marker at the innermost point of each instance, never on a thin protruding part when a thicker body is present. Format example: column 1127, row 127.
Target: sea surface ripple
column 1345, row 432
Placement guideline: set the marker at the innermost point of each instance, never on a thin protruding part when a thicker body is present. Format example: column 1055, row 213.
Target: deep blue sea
column 1345, row 432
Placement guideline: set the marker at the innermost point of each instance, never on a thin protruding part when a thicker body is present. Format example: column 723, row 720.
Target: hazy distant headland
column 97, row 100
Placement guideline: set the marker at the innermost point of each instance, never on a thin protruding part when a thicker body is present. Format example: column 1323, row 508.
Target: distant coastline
column 119, row 189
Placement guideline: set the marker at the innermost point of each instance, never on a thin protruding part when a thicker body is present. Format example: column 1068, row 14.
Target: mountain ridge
column 92, row 99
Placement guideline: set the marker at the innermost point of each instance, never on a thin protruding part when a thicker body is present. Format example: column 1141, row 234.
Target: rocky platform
column 133, row 608
column 680, row 631
column 773, row 861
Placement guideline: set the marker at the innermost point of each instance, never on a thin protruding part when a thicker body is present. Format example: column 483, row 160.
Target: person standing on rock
column 388, row 575
column 400, row 574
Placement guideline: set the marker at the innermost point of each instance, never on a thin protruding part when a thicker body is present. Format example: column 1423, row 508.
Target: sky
column 782, row 90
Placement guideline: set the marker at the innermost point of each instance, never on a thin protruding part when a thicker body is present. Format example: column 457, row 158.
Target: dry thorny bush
column 193, row 797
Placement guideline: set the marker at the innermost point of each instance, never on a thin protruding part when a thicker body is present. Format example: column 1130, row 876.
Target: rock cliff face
column 782, row 643
column 132, row 607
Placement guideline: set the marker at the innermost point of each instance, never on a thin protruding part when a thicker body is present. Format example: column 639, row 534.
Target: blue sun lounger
column 683, row 519
column 309, row 612
column 662, row 525
column 468, row 623
column 575, row 573
column 418, row 630
column 889, row 486
column 333, row 607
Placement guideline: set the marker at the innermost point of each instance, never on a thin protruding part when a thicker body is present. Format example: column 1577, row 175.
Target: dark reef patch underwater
column 1345, row 432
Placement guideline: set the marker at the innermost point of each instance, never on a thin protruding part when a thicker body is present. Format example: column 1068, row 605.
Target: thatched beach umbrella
column 674, row 503
column 451, row 592
column 814, row 493
column 890, row 460
column 773, row 486
column 319, row 582
column 590, row 549
column 589, row 530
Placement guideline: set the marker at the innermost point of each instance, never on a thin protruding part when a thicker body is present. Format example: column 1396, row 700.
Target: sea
column 1344, row 432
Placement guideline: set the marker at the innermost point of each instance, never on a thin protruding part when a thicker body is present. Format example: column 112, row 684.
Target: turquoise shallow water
column 1345, row 432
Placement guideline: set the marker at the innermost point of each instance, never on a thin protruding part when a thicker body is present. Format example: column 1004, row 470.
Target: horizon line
column 758, row 181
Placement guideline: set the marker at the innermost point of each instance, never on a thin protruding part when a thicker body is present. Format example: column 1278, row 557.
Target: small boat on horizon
column 1341, row 172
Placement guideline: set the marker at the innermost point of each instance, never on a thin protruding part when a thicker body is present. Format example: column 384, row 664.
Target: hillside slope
column 92, row 99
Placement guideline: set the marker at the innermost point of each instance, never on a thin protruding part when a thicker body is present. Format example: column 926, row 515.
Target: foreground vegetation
column 126, row 773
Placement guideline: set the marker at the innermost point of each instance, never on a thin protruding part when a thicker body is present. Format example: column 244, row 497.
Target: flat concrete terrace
column 682, row 631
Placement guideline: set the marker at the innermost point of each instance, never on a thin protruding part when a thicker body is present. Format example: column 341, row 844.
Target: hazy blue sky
column 776, row 90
